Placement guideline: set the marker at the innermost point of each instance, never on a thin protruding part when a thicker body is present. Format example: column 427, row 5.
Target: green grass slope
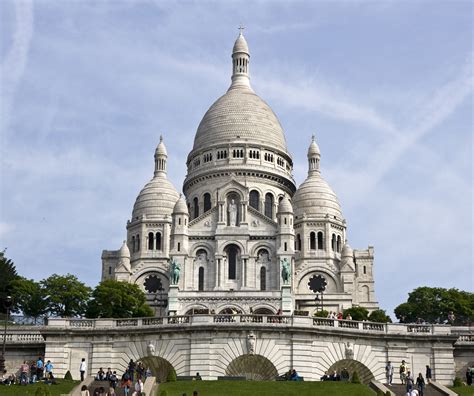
column 63, row 387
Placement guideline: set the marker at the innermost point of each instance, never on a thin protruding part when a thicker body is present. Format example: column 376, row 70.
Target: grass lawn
column 264, row 388
column 461, row 390
column 62, row 387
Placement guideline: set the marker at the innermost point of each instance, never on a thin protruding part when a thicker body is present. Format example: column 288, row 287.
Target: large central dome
column 240, row 113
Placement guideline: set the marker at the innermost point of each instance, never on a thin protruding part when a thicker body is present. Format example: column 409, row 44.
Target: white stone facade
column 240, row 217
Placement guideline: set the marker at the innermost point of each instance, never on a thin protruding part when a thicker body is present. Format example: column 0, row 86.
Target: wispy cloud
column 13, row 66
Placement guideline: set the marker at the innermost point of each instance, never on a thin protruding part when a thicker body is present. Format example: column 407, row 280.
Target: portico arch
column 252, row 367
column 351, row 365
column 159, row 367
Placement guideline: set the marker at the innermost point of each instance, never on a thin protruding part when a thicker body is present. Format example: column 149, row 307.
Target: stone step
column 400, row 390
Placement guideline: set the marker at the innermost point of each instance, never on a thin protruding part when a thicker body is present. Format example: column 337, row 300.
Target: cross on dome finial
column 161, row 138
column 241, row 28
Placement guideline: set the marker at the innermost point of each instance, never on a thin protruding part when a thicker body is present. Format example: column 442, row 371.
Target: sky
column 87, row 88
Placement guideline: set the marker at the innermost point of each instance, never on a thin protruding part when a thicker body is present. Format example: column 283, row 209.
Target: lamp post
column 7, row 303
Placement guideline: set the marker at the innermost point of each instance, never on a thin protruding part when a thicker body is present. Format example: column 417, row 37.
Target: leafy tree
column 7, row 275
column 357, row 313
column 66, row 296
column 29, row 297
column 115, row 299
column 379, row 316
column 321, row 314
column 433, row 304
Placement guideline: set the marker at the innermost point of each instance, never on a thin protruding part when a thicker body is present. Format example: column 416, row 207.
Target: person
column 420, row 384
column 138, row 388
column 126, row 382
column 100, row 375
column 468, row 376
column 413, row 392
column 39, row 368
column 24, row 373
column 148, row 372
column 131, row 369
column 403, row 372
column 198, row 377
column 5, row 378
column 83, row 368
column 294, row 376
column 325, row 377
column 85, row 391
column 113, row 379
column 33, row 371
column 339, row 316
column 389, row 373
column 409, row 381
column 348, row 317
column 48, row 367
column 108, row 374
column 428, row 374
column 345, row 375
column 112, row 392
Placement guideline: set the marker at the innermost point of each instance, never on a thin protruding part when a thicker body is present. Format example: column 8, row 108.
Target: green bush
column 355, row 378
column 388, row 393
column 68, row 376
column 163, row 393
column 171, row 377
column 42, row 390
column 457, row 382
column 321, row 314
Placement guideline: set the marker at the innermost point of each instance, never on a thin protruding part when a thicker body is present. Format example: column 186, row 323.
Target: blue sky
column 87, row 88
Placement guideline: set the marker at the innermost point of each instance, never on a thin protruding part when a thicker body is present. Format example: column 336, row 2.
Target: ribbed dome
column 285, row 206
column 240, row 45
column 347, row 251
column 313, row 148
column 240, row 113
column 316, row 198
column 156, row 199
column 180, row 206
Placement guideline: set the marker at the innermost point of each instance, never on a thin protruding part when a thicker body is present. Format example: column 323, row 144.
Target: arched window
column 263, row 278
column 196, row 207
column 254, row 199
column 338, row 245
column 269, row 205
column 158, row 241
column 201, row 279
column 333, row 242
column 207, row 202
column 232, row 253
column 365, row 270
column 133, row 244
column 312, row 241
column 150, row 241
column 298, row 242
column 320, row 240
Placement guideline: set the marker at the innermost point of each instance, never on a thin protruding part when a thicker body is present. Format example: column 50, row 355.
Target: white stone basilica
column 241, row 219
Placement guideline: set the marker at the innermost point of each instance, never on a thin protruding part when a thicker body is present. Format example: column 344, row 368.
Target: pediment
column 207, row 221
column 232, row 185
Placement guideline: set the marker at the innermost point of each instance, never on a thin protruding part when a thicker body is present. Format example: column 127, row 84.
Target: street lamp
column 7, row 303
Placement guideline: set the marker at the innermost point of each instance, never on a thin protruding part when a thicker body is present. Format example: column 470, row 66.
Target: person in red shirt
column 24, row 368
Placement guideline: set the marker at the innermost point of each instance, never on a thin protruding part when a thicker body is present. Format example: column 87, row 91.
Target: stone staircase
column 106, row 385
column 400, row 390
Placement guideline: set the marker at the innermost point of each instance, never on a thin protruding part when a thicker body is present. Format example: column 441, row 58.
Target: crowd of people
column 338, row 316
column 30, row 373
column 414, row 387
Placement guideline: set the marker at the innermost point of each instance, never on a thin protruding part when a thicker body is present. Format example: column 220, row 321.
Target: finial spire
column 240, row 62
column 161, row 138
column 313, row 138
column 241, row 28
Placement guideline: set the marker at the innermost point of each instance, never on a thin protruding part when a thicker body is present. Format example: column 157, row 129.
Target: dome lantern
column 314, row 156
column 160, row 158
column 240, row 63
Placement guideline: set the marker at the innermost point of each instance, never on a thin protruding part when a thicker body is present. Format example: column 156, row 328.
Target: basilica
column 242, row 238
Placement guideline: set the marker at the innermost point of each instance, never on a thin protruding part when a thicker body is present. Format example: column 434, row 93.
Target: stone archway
column 253, row 368
column 159, row 367
column 365, row 375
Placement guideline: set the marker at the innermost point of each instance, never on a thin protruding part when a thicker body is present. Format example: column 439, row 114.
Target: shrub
column 171, row 377
column 388, row 393
column 355, row 378
column 457, row 381
column 68, row 376
column 321, row 314
column 163, row 393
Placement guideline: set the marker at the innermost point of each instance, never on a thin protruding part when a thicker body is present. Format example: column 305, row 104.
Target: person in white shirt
column 83, row 368
column 138, row 388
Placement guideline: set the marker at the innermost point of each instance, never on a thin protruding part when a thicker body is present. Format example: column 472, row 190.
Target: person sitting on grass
column 294, row 376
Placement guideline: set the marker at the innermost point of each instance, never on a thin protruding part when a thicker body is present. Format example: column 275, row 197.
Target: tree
column 379, row 316
column 434, row 304
column 357, row 313
column 66, row 296
column 29, row 297
column 115, row 299
column 7, row 275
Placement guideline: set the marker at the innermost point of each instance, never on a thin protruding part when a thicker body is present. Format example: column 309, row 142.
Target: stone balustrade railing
column 23, row 338
column 251, row 320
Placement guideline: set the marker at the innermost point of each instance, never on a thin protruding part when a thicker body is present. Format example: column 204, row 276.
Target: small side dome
column 124, row 252
column 347, row 251
column 285, row 206
column 161, row 148
column 180, row 207
column 240, row 45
